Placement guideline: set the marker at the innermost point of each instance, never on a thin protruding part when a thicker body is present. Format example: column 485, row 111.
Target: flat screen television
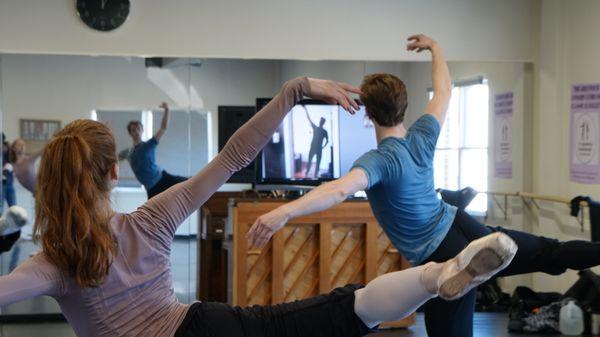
column 231, row 118
column 316, row 142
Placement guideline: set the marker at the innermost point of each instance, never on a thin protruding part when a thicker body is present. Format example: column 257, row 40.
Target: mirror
column 39, row 91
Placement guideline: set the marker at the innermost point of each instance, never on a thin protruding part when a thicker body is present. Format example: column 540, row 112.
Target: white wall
column 69, row 87
column 343, row 71
column 310, row 29
column 234, row 82
column 567, row 54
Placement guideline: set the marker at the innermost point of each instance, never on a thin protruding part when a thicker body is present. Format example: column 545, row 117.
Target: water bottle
column 571, row 320
column 595, row 324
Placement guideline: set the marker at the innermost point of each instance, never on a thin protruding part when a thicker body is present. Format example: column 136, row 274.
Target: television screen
column 357, row 136
column 316, row 142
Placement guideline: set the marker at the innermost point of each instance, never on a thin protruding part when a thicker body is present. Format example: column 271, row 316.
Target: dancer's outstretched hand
column 164, row 106
column 265, row 226
column 334, row 93
column 420, row 42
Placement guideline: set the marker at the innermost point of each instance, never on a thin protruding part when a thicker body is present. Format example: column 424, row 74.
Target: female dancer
column 111, row 274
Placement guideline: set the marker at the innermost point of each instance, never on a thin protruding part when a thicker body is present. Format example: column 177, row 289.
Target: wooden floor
column 484, row 325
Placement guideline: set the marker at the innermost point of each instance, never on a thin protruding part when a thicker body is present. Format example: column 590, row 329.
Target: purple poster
column 584, row 140
column 503, row 113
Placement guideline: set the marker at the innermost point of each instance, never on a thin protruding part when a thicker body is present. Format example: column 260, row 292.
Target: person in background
column 8, row 187
column 5, row 148
column 142, row 157
column 15, row 217
column 24, row 164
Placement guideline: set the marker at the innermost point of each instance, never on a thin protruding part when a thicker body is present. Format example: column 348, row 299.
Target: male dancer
column 142, row 157
column 398, row 179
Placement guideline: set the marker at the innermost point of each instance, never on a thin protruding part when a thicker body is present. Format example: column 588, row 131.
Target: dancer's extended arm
column 317, row 200
column 442, row 83
column 164, row 124
column 162, row 214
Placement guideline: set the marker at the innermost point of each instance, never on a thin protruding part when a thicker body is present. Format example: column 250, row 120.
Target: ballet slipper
column 15, row 218
column 478, row 262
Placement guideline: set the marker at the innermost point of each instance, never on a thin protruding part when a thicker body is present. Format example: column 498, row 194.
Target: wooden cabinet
column 311, row 255
column 212, row 258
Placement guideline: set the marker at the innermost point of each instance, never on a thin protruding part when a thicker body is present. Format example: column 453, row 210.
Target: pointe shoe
column 478, row 262
column 15, row 218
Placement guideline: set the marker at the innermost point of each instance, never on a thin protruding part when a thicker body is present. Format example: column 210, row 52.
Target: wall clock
column 103, row 15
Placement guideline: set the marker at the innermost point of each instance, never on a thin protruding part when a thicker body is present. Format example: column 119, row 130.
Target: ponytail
column 73, row 202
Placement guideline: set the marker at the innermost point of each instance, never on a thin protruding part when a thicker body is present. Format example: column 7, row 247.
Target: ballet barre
column 530, row 198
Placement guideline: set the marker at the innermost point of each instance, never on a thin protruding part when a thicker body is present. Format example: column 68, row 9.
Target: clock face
column 103, row 15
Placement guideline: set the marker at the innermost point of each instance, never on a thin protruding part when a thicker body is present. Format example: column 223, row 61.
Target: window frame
column 460, row 149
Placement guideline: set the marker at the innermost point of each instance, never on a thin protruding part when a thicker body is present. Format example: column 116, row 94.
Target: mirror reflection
column 170, row 116
column 117, row 91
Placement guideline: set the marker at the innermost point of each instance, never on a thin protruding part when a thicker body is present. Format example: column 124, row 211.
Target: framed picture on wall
column 37, row 132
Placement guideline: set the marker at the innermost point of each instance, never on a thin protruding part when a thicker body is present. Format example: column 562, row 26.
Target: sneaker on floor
column 478, row 262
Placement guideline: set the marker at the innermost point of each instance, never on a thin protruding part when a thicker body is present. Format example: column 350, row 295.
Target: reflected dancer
column 142, row 157
column 316, row 145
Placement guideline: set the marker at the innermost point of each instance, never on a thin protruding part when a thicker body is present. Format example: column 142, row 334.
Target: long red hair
column 73, row 201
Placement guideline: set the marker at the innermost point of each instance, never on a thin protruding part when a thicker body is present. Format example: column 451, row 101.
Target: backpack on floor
column 586, row 290
column 524, row 303
column 531, row 311
column 546, row 319
column 490, row 298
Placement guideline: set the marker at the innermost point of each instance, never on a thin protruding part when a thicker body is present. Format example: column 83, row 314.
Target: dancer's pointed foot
column 478, row 262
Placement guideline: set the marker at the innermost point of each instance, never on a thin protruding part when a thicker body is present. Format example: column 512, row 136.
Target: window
column 461, row 157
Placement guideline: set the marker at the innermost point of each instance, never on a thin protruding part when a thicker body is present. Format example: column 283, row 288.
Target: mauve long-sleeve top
column 137, row 296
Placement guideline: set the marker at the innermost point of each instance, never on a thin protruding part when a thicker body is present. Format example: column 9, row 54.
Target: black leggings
column 330, row 315
column 8, row 241
column 167, row 180
column 314, row 152
column 535, row 254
